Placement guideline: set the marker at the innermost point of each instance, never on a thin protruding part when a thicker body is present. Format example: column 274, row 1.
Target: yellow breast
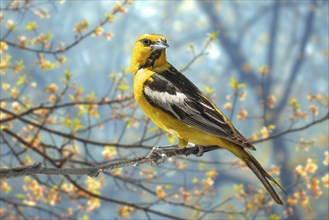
column 157, row 116
column 166, row 121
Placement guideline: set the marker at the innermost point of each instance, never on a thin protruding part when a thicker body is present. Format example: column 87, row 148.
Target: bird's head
column 148, row 52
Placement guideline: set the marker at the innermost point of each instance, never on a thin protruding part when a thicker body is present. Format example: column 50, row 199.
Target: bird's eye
column 146, row 42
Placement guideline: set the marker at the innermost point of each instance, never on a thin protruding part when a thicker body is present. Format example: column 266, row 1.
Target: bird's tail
column 262, row 175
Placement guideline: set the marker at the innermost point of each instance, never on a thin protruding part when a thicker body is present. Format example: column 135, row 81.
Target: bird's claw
column 159, row 152
column 159, row 155
column 201, row 151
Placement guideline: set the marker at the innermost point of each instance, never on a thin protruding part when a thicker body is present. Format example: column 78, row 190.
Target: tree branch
column 63, row 134
column 307, row 33
column 292, row 130
column 153, row 158
column 68, row 104
column 67, row 48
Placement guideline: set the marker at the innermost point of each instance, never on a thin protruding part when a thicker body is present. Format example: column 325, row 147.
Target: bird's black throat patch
column 152, row 58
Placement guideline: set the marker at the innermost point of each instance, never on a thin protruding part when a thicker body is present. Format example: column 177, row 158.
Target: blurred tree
column 64, row 115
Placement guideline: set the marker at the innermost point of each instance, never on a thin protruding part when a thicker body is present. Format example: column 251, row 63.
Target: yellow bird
column 177, row 106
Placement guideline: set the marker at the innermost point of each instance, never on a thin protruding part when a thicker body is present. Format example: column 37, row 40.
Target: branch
column 67, row 48
column 152, row 158
column 200, row 54
column 308, row 30
column 69, row 104
column 291, row 130
column 62, row 134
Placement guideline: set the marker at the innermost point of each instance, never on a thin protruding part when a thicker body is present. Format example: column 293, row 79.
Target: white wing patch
column 207, row 106
column 167, row 101
column 165, row 97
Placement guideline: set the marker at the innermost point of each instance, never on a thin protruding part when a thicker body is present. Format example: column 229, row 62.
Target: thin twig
column 69, row 104
column 292, row 130
column 67, row 48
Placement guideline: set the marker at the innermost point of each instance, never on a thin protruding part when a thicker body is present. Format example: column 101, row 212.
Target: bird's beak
column 159, row 45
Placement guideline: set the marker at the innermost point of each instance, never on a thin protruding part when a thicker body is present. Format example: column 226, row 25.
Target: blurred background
column 276, row 52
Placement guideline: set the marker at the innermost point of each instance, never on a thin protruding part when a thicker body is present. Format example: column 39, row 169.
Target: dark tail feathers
column 263, row 176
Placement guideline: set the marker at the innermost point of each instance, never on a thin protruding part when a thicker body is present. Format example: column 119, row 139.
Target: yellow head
column 149, row 52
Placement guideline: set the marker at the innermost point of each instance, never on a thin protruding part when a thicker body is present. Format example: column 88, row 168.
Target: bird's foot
column 201, row 151
column 160, row 153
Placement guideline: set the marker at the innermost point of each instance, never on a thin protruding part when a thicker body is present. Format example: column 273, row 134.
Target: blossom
column 108, row 36
column 318, row 97
column 304, row 200
column 254, row 137
column 181, row 165
column 264, row 132
column 41, row 112
column 211, row 173
column 125, row 211
column 94, row 184
column 4, row 63
column 98, row 31
column 275, row 170
column 207, row 183
column 3, row 104
column 243, row 95
column 271, row 100
column 300, row 114
column 109, row 152
column 52, row 99
column 300, row 171
column 3, row 46
column 33, row 84
column 5, row 86
column 292, row 200
column 160, row 193
column 93, row 203
column 313, row 109
column 310, row 97
column 15, row 106
column 185, row 193
column 227, row 106
column 4, row 187
column 118, row 7
column 311, row 167
column 242, row 115
column 52, row 88
column 70, row 151
column 10, row 25
column 14, row 92
column 263, row 70
column 79, row 27
column 313, row 185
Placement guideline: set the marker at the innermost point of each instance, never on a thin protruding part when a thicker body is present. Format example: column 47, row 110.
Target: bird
column 178, row 107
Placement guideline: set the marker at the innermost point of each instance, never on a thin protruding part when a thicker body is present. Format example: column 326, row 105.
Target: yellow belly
column 169, row 123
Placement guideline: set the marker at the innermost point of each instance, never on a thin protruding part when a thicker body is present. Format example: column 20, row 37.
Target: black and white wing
column 171, row 92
